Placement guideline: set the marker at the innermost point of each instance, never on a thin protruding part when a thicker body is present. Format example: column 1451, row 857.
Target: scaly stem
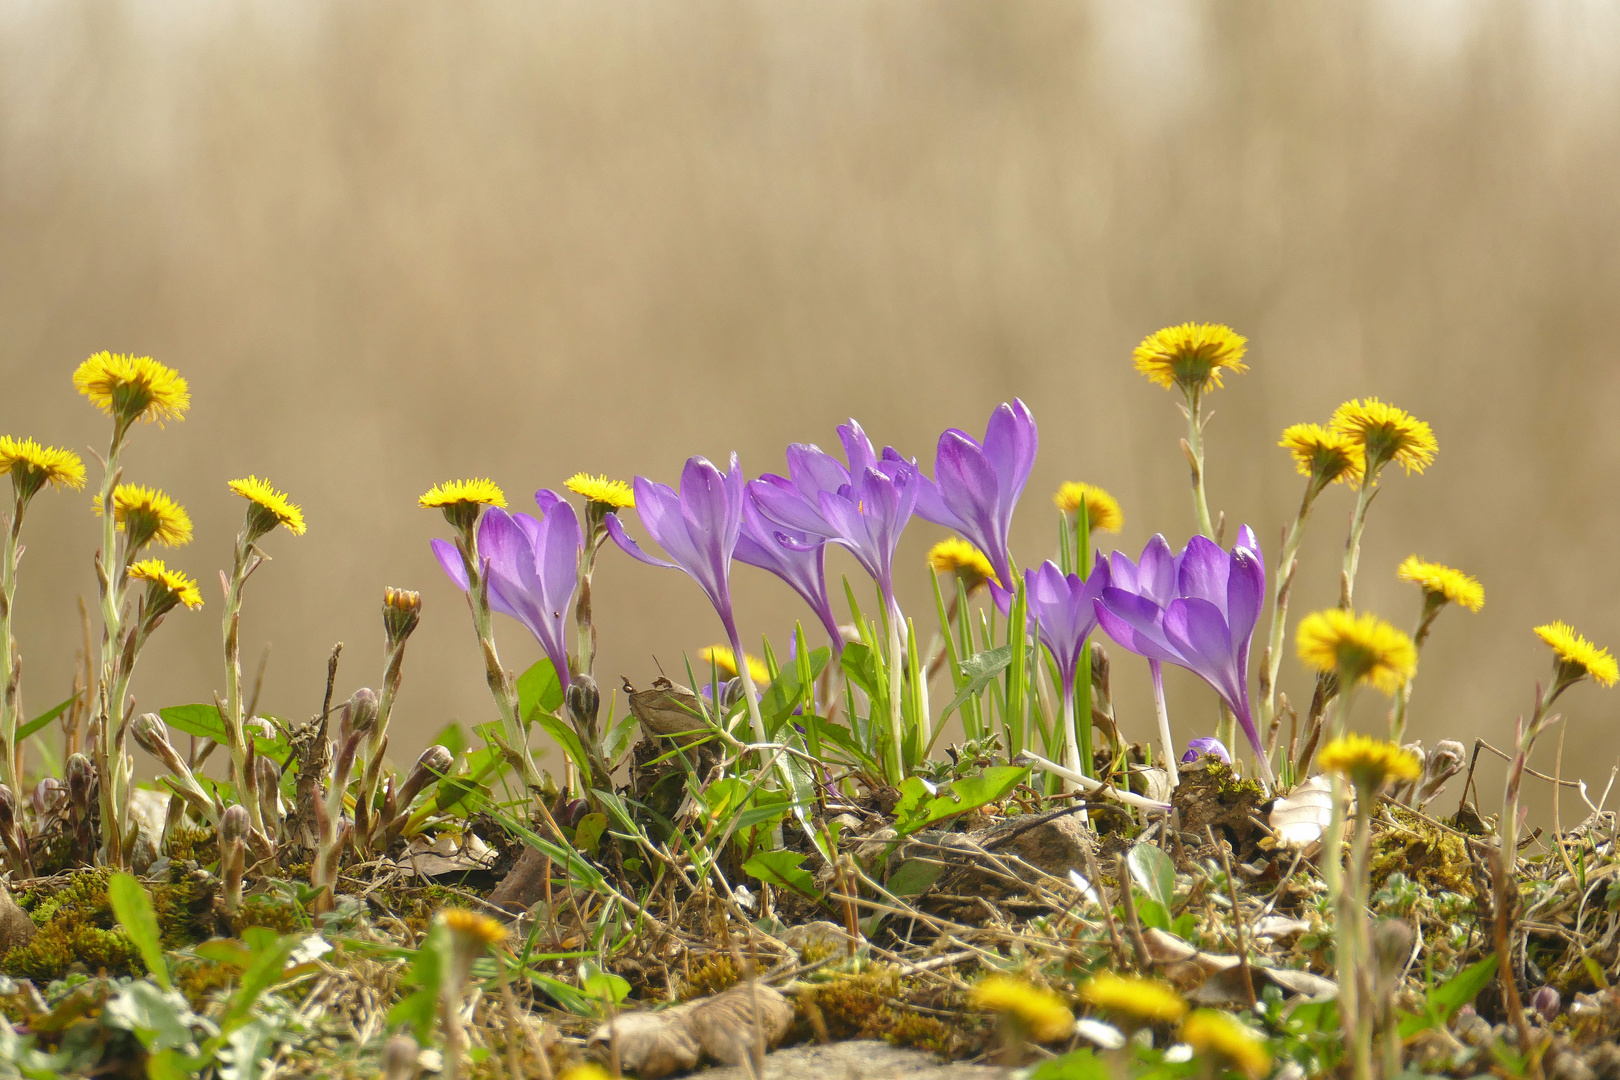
column 108, row 709
column 1195, row 458
column 1354, row 952
column 1167, row 745
column 500, row 684
column 11, row 770
column 1352, row 546
column 585, row 626
column 1286, row 565
column 247, row 782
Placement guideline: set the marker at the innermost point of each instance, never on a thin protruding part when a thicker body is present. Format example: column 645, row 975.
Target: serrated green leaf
column 160, row 1018
column 783, row 868
column 1154, row 874
column 980, row 670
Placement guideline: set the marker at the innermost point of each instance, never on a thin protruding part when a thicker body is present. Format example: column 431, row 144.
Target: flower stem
column 500, row 684
column 1074, row 753
column 107, row 702
column 1354, row 953
column 11, row 770
column 247, row 559
column 1081, row 723
column 897, row 723
column 1352, row 546
column 1195, row 458
column 1166, row 743
column 1286, row 565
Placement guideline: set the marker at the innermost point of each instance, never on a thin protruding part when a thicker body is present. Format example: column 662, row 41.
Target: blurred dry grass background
column 391, row 244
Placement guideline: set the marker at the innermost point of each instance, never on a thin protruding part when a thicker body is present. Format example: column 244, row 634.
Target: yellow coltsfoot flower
column 270, row 507
column 1368, row 762
column 172, row 585
column 1442, row 584
column 32, row 466
column 1041, row 1014
column 1208, row 1031
column 461, row 501
column 146, row 515
column 1143, row 999
column 1102, row 509
column 1577, row 657
column 954, row 555
column 1385, row 433
column 1360, row 648
column 133, row 388
column 1193, row 356
column 473, row 927
column 725, row 662
column 1325, row 455
column 613, row 494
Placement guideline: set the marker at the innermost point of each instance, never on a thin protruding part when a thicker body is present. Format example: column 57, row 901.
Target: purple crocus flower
column 533, row 568
column 976, row 486
column 1196, row 609
column 863, row 507
column 1063, row 611
column 796, row 557
column 698, row 528
column 1199, row 747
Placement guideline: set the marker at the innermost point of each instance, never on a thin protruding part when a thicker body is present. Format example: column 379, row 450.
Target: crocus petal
column 450, row 559
column 1245, row 593
column 1156, row 573
column 857, row 448
column 1135, row 622
column 931, row 506
column 1204, row 567
column 784, row 503
column 629, row 546
column 1197, row 748
column 1196, row 629
column 812, row 469
column 1010, row 443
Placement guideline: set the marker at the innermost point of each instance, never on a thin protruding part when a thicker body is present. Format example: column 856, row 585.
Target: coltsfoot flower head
column 461, row 501
column 473, row 927
column 1577, row 657
column 1369, row 762
column 132, row 388
column 32, row 466
column 1325, row 455
column 1361, row 648
column 725, row 662
column 613, row 494
column 166, row 587
column 1144, row 999
column 1042, row 1014
column 147, row 515
column 268, row 508
column 1384, row 434
column 1193, row 356
column 1442, row 584
column 402, row 610
column 1102, row 509
column 953, row 555
column 1211, row 1032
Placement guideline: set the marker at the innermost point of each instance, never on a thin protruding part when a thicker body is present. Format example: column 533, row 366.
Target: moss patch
column 1434, row 859
column 78, row 931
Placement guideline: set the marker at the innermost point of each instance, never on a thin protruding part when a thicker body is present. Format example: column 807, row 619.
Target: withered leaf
column 668, row 709
column 650, row 1044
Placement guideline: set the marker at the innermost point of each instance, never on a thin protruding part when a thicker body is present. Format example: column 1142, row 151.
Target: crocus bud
column 399, row 1058
column 49, row 794
column 271, row 808
column 584, row 701
column 1211, row 747
column 402, row 610
column 359, row 712
column 434, row 763
column 1546, row 1002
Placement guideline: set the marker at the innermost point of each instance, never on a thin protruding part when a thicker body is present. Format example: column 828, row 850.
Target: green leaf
column 248, row 1050
column 787, row 692
column 416, row 1011
column 262, row 972
column 913, row 877
column 966, row 794
column 1444, row 1000
column 588, row 833
column 980, row 670
column 538, row 688
column 783, row 868
column 569, row 997
column 428, row 970
column 1079, row 1065
column 44, row 718
column 203, row 721
column 160, row 1018
column 1152, row 914
column 1154, row 873
column 134, row 910
column 860, row 664
column 602, row 985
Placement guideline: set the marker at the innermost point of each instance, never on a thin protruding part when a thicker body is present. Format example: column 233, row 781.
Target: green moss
column 713, row 975
column 1436, row 860
column 281, row 914
column 859, row 1007
column 188, row 843
column 1228, row 786
column 78, row 931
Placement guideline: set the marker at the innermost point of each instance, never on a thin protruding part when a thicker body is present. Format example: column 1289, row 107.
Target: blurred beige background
column 391, row 244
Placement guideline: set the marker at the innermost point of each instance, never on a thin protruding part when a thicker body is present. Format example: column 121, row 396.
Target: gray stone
column 860, row 1060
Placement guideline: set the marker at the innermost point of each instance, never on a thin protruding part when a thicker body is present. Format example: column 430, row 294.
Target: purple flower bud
column 1546, row 1002
column 1199, row 747
column 48, row 794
